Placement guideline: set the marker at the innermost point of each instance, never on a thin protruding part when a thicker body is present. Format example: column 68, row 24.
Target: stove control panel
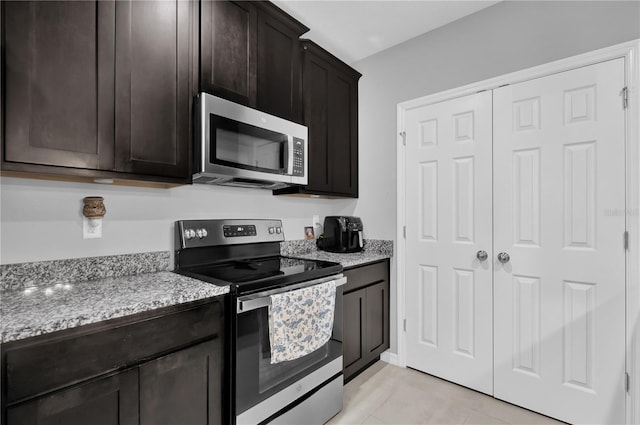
column 201, row 233
column 233, row 231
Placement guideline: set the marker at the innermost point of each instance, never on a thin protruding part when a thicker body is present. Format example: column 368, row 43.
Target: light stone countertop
column 48, row 296
column 42, row 309
column 374, row 250
column 347, row 260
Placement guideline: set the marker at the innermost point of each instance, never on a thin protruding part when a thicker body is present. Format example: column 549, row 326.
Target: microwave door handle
column 204, row 126
column 290, row 155
column 360, row 239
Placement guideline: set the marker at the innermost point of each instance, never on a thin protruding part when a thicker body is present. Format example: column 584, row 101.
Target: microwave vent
column 237, row 182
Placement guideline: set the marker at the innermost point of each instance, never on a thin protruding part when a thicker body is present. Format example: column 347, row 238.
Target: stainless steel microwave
column 239, row 146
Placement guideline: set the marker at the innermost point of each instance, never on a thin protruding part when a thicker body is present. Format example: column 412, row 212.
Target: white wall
column 507, row 37
column 42, row 220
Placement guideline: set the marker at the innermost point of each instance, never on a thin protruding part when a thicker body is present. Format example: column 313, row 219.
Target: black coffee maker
column 341, row 234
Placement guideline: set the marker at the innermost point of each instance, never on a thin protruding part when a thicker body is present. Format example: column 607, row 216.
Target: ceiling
column 355, row 29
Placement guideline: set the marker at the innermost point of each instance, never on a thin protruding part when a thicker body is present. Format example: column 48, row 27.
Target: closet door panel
column 559, row 155
column 448, row 217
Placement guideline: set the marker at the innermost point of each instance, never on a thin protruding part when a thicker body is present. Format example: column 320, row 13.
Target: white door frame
column 630, row 51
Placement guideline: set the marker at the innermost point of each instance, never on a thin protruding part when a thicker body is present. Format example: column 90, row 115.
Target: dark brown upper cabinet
column 279, row 63
column 98, row 89
column 250, row 54
column 228, row 50
column 59, row 83
column 153, row 87
column 330, row 111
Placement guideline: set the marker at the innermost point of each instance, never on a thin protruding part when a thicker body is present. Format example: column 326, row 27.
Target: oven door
column 264, row 389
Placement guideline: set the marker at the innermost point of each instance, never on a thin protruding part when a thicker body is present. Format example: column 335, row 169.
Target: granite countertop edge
column 41, row 310
column 347, row 260
column 45, row 297
column 374, row 250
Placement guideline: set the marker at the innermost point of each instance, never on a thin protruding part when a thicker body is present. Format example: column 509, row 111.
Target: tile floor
column 387, row 394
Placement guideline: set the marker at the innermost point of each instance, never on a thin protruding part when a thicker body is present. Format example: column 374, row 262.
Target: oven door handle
column 263, row 299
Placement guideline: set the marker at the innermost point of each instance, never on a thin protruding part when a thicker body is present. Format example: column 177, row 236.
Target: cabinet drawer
column 109, row 400
column 362, row 276
column 75, row 356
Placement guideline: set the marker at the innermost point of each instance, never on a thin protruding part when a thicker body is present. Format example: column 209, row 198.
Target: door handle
column 482, row 255
column 503, row 257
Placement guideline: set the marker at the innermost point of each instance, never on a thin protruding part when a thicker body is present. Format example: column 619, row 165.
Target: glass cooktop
column 260, row 273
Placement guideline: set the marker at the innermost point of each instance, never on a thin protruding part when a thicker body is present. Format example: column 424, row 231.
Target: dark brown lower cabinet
column 183, row 387
column 377, row 317
column 160, row 367
column 365, row 316
column 108, row 401
column 354, row 320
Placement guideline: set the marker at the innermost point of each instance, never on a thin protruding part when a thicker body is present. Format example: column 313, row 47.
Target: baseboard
column 389, row 357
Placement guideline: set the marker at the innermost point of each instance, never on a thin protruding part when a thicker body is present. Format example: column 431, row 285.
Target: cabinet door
column 108, row 401
column 228, row 50
column 184, row 387
column 354, row 331
column 316, row 117
column 330, row 108
column 279, row 82
column 377, row 316
column 343, row 134
column 153, row 87
column 59, row 88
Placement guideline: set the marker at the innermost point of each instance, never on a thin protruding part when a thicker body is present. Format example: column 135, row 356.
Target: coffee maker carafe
column 342, row 234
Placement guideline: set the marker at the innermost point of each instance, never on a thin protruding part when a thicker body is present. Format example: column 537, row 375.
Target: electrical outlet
column 91, row 228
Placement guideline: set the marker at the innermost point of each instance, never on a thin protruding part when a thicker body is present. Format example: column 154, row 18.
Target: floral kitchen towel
column 301, row 321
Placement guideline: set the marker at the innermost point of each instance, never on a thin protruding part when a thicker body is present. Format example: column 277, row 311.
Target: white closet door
column 559, row 193
column 448, row 220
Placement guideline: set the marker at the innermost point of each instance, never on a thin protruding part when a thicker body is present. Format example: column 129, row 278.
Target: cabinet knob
column 482, row 255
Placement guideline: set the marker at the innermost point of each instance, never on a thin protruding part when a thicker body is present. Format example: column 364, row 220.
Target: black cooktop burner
column 249, row 275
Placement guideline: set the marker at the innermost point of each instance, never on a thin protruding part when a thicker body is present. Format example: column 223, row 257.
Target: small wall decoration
column 94, row 207
column 308, row 233
column 93, row 211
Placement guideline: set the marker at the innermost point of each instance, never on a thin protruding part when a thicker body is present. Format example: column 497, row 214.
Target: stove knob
column 278, row 230
column 189, row 234
column 201, row 233
column 272, row 230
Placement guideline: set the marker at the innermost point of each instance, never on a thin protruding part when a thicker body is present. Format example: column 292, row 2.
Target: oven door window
column 241, row 145
column 256, row 378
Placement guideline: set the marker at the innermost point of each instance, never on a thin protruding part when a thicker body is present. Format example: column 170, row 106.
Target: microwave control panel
column 298, row 158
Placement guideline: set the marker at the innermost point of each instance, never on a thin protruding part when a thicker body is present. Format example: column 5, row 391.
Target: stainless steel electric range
column 245, row 256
